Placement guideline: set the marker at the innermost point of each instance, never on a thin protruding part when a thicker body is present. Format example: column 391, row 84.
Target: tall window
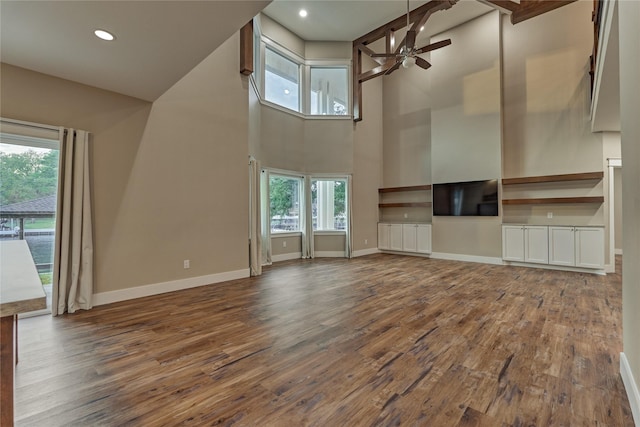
column 285, row 202
column 281, row 80
column 329, row 91
column 329, row 203
column 28, row 188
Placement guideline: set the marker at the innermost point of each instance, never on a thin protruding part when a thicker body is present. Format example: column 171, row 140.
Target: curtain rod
column 29, row 124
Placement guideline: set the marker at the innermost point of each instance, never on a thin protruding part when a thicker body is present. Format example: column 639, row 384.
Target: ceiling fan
column 407, row 56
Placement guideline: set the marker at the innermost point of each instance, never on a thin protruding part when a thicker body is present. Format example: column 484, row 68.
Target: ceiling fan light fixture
column 409, row 61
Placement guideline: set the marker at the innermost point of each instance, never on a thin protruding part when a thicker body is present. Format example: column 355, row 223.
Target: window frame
column 301, row 203
column 347, row 207
column 304, row 70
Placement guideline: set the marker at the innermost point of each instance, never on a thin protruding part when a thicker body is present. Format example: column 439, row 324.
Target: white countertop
column 20, row 287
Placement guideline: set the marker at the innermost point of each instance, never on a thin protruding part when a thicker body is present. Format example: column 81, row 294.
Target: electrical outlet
column 366, row 241
column 186, row 264
column 406, row 215
column 549, row 215
column 284, row 243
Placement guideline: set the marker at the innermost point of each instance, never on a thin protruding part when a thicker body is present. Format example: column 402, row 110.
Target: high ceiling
column 157, row 42
column 347, row 20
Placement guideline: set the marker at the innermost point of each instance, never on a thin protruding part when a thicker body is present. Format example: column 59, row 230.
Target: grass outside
column 36, row 223
column 46, row 278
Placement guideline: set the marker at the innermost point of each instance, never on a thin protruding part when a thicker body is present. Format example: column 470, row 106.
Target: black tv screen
column 474, row 198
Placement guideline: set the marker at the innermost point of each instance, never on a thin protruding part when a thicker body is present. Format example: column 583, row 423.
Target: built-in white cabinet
column 395, row 237
column 576, row 246
column 562, row 246
column 383, row 236
column 555, row 245
column 525, row 243
column 412, row 238
column 423, row 238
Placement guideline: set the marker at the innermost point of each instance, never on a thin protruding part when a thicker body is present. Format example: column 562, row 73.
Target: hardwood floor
column 378, row 340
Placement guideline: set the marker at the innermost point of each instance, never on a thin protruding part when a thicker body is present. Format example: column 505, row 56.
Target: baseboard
column 617, row 251
column 600, row 272
column 631, row 387
column 328, row 254
column 286, row 257
column 609, row 268
column 467, row 258
column 364, row 252
column 103, row 298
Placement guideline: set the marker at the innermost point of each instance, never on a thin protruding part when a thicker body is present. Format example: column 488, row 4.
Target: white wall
column 629, row 16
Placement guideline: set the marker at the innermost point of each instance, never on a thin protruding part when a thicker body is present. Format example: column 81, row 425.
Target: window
column 285, row 203
column 329, row 91
column 28, row 201
column 328, row 202
column 281, row 80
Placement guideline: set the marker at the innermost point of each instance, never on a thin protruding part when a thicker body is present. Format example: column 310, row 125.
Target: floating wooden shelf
column 544, row 201
column 400, row 189
column 553, row 178
column 405, row 205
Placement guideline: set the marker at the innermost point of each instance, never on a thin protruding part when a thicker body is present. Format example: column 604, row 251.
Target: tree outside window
column 285, row 202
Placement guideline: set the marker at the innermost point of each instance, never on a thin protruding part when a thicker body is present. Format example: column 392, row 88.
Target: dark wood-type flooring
column 378, row 340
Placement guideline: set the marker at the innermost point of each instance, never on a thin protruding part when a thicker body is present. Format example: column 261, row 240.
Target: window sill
column 275, row 234
column 329, row 233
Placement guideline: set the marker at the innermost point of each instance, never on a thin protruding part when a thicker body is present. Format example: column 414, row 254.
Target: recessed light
column 104, row 35
column 302, row 13
column 286, row 92
column 422, row 28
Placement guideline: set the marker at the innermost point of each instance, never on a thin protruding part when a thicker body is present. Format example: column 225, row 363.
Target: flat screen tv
column 474, row 198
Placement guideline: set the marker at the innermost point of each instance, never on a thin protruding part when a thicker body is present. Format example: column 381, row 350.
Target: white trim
column 631, row 387
column 418, row 254
column 329, row 233
column 364, row 252
column 284, row 234
column 286, row 257
column 610, row 268
column 467, row 258
column 29, row 124
column 612, row 164
column 329, row 254
column 617, row 251
column 109, row 297
column 601, row 272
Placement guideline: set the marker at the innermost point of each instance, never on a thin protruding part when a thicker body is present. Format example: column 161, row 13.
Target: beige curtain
column 306, row 220
column 348, row 239
column 255, row 232
column 265, row 212
column 73, row 260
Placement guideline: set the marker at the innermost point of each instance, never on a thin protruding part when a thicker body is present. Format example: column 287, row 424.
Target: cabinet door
column 383, row 236
column 562, row 246
column 513, row 242
column 423, row 239
column 395, row 237
column 536, row 244
column 409, row 237
column 589, row 247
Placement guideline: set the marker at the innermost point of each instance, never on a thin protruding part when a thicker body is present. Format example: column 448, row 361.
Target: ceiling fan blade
column 393, row 68
column 422, row 63
column 410, row 40
column 384, row 55
column 433, row 46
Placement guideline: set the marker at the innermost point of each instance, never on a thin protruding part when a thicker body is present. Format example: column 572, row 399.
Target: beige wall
column 629, row 16
column 617, row 209
column 170, row 180
column 466, row 129
column 293, row 245
column 546, row 114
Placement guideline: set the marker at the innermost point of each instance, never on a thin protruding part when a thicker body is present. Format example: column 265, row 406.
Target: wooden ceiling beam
column 531, row 8
column 401, row 21
column 526, row 9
